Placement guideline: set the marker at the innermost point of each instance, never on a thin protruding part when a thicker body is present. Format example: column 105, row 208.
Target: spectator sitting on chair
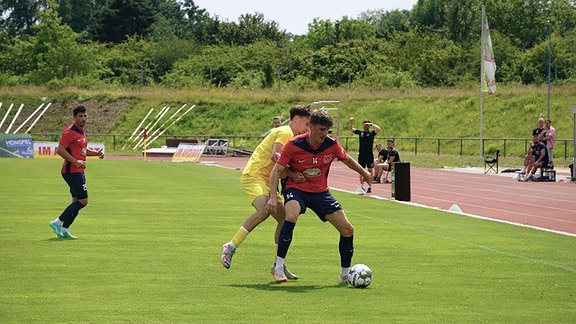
column 539, row 133
column 539, row 158
column 385, row 160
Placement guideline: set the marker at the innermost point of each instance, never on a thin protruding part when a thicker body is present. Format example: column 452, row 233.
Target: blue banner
column 19, row 145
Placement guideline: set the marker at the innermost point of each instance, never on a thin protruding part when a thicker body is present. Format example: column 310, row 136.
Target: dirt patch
column 102, row 115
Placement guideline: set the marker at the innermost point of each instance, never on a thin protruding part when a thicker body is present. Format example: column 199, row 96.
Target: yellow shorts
column 255, row 187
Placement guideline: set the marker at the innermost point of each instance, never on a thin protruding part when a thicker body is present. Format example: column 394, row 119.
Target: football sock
column 279, row 263
column 57, row 221
column 240, row 236
column 70, row 213
column 346, row 248
column 64, row 230
column 285, row 239
column 345, row 271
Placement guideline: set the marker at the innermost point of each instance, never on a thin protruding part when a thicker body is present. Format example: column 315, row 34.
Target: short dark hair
column 390, row 140
column 300, row 110
column 78, row 109
column 321, row 117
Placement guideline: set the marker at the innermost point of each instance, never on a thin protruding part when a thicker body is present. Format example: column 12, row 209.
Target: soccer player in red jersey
column 73, row 148
column 311, row 154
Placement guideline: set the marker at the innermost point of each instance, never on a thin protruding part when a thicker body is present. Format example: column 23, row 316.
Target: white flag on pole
column 488, row 62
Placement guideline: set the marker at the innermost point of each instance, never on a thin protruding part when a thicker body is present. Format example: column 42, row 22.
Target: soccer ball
column 360, row 276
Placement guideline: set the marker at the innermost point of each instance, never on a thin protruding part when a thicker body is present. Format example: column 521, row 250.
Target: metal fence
column 438, row 145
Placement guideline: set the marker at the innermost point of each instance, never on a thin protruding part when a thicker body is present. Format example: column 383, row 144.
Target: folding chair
column 490, row 163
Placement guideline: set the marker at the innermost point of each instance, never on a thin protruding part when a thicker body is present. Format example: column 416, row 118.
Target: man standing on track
column 365, row 150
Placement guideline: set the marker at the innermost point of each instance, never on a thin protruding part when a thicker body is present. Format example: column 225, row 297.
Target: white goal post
column 331, row 105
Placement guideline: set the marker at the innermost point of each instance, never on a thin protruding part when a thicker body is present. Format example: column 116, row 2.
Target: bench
column 174, row 142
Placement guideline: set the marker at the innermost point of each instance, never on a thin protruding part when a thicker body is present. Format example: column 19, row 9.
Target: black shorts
column 366, row 161
column 322, row 203
column 77, row 184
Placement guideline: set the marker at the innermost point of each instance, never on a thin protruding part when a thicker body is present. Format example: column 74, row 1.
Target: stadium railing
column 436, row 145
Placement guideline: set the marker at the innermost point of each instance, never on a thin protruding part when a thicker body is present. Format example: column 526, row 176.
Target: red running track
column 549, row 206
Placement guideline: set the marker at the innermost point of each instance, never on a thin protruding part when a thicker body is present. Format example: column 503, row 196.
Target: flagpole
column 482, row 49
column 145, row 148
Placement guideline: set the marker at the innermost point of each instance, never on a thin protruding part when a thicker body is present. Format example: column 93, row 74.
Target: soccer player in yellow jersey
column 255, row 181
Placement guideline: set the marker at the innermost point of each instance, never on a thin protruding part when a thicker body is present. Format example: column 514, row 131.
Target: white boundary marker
column 148, row 130
column 29, row 117
column 14, row 119
column 38, row 118
column 164, row 123
column 141, row 133
column 174, row 122
column 137, row 128
column 6, row 115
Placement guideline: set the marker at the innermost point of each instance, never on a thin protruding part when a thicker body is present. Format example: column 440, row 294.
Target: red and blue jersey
column 75, row 141
column 313, row 162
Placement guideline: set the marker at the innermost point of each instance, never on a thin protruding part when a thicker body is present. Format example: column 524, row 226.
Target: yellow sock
column 239, row 237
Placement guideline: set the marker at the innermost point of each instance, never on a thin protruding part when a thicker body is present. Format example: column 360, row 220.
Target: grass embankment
column 427, row 114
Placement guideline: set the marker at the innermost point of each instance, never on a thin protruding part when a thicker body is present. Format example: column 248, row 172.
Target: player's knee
column 292, row 218
column 261, row 215
column 347, row 230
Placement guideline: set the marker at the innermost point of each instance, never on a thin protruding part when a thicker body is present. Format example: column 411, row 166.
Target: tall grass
column 425, row 113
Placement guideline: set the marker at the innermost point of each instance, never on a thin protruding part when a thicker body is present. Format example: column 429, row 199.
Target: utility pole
column 548, row 63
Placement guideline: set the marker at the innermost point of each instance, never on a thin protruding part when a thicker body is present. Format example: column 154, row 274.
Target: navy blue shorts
column 322, row 203
column 77, row 184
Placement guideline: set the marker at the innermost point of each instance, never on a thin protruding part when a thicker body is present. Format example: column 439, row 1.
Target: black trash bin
column 401, row 181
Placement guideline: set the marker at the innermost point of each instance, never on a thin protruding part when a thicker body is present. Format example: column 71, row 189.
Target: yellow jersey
column 260, row 163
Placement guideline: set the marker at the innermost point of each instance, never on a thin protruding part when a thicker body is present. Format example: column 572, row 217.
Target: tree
column 18, row 17
column 429, row 15
column 351, row 29
column 199, row 25
column 387, row 23
column 321, row 33
column 76, row 13
column 115, row 20
column 53, row 53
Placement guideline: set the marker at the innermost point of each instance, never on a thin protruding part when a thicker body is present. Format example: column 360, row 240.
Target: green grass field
column 150, row 242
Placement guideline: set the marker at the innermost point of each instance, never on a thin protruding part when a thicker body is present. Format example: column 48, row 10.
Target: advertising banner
column 16, row 145
column 48, row 149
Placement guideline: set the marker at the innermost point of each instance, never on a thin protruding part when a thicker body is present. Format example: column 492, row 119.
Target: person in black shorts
column 311, row 155
column 73, row 148
column 539, row 154
column 539, row 133
column 365, row 150
column 385, row 160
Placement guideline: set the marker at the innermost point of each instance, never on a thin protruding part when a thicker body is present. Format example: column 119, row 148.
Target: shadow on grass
column 59, row 239
column 287, row 286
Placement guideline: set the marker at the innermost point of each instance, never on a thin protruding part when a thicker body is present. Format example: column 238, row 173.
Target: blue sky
column 295, row 15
